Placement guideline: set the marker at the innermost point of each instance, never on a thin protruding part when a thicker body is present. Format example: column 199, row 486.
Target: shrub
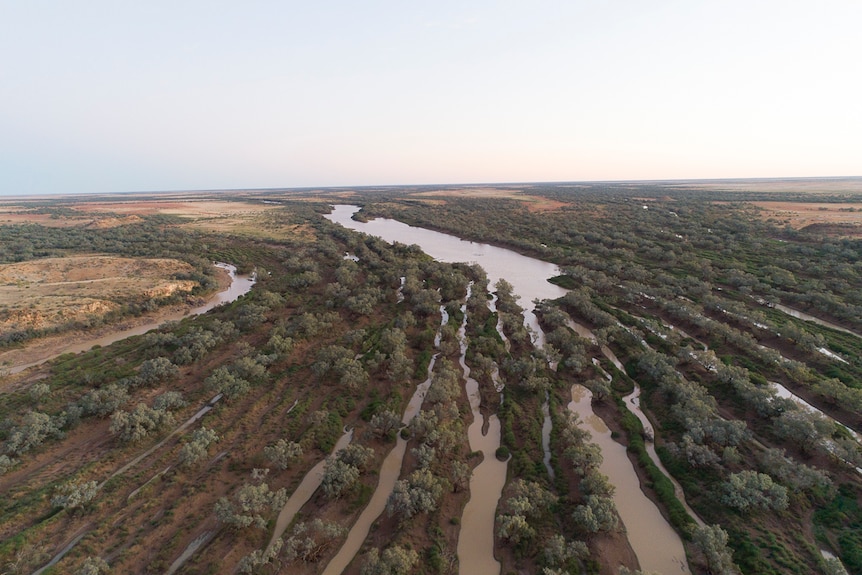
column 395, row 560
column 134, row 426
column 196, row 448
column 248, row 505
column 33, row 431
column 94, row 566
column 310, row 539
column 749, row 490
column 283, row 452
column 74, row 495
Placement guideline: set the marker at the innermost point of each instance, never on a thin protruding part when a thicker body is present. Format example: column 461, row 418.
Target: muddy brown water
column 528, row 275
column 476, row 537
column 305, row 490
column 389, row 473
column 239, row 285
column 632, row 400
column 657, row 545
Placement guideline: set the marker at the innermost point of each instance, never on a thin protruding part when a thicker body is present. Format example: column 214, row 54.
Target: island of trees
column 179, row 450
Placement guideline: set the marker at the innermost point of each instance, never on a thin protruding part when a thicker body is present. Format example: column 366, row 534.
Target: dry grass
column 238, row 218
column 17, row 216
column 185, row 209
column 54, row 291
column 799, row 215
column 534, row 203
column 793, row 185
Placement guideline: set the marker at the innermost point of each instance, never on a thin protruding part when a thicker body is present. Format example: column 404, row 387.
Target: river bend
column 654, row 541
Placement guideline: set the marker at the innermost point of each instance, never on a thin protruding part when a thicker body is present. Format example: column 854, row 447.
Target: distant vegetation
column 684, row 284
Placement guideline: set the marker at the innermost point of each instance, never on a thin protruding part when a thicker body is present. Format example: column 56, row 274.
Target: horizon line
column 439, row 185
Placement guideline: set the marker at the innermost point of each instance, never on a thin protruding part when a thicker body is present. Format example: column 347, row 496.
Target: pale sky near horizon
column 116, row 95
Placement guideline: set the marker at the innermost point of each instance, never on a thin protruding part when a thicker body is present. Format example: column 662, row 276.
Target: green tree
column 94, row 566
column 156, row 371
column 597, row 514
column 75, row 495
column 283, row 452
column 514, row 528
column 712, row 542
column 559, row 552
column 196, row 447
column 419, row 493
column 35, row 428
column 104, row 401
column 750, row 490
column 133, row 426
column 385, row 422
column 249, row 505
column 310, row 539
column 395, row 560
column 6, row 463
column 338, row 477
column 169, row 401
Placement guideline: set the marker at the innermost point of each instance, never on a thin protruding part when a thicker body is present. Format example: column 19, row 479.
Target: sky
column 120, row 95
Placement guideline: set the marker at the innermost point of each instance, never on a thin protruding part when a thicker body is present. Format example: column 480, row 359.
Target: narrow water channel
column 547, row 427
column 390, row 471
column 657, row 546
column 476, row 538
column 239, row 285
column 785, row 393
column 654, row 541
column 492, row 305
column 632, row 400
column 806, row 317
column 306, row 489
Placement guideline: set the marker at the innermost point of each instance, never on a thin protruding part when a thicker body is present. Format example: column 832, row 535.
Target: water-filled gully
column 240, row 285
column 657, row 546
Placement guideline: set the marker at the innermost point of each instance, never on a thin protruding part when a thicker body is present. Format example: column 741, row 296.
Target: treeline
column 676, row 242
column 636, row 267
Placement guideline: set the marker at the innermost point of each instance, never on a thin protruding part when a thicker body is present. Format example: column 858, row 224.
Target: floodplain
column 176, row 450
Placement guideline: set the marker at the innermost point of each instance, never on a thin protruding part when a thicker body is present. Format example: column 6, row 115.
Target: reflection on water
column 656, row 544
column 306, row 489
column 785, row 393
column 528, row 275
column 476, row 538
column 389, row 473
column 633, row 402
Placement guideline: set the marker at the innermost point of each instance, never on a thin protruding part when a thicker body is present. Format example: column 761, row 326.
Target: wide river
column 528, row 276
column 657, row 546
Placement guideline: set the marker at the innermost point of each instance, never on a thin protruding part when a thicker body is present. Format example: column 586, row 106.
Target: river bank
column 656, row 544
column 45, row 349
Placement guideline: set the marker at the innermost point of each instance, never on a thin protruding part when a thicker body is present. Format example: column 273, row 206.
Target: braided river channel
column 657, row 546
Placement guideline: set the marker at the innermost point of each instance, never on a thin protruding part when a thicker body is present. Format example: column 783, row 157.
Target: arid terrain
column 837, row 218
column 138, row 456
column 48, row 293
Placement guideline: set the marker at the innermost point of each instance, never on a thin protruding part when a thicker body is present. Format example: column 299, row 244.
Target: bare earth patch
column 187, row 209
column 794, row 185
column 241, row 218
column 534, row 203
column 12, row 217
column 51, row 292
column 843, row 218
